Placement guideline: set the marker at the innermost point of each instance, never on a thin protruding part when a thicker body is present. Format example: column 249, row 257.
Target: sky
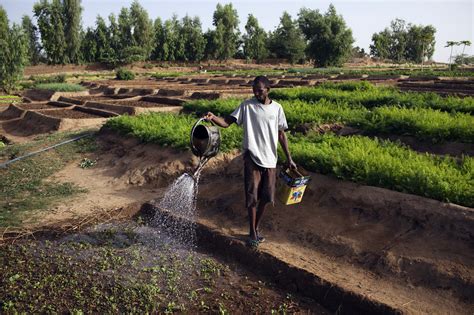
column 453, row 20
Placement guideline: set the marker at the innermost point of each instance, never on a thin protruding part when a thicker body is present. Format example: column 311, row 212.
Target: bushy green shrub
column 124, row 74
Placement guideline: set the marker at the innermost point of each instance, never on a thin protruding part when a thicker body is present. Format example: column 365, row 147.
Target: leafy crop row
column 361, row 94
column 389, row 165
column 426, row 124
column 376, row 71
column 360, row 159
column 60, row 87
column 169, row 130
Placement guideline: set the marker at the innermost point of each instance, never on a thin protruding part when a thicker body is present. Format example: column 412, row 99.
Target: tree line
column 54, row 35
column 323, row 38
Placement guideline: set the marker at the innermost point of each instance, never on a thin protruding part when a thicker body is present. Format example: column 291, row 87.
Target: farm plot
column 70, row 114
column 369, row 227
column 137, row 103
column 365, row 243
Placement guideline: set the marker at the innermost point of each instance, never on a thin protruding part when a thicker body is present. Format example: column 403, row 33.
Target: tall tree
column 255, row 40
column 226, row 35
column 287, row 40
column 31, row 33
column 464, row 43
column 451, row 44
column 404, row 41
column 72, row 29
column 157, row 53
column 420, row 43
column 89, row 45
column 114, row 36
column 142, row 29
column 330, row 40
column 125, row 28
column 381, row 44
column 50, row 23
column 192, row 38
column 104, row 52
column 3, row 23
column 13, row 53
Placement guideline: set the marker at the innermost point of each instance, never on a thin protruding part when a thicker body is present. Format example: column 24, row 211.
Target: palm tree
column 451, row 44
column 465, row 43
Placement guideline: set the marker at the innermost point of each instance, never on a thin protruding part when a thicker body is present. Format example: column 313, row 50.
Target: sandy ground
column 368, row 240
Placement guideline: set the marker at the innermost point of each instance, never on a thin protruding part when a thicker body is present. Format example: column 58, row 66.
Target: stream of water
column 179, row 200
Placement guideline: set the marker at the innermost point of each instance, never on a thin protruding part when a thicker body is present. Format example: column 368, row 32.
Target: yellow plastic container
column 291, row 185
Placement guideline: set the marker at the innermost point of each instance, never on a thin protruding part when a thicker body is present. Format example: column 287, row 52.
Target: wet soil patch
column 131, row 268
column 69, row 113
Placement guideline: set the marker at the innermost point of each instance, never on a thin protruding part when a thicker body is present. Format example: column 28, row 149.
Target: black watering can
column 205, row 140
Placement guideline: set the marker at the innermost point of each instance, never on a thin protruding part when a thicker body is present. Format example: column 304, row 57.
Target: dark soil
column 34, row 106
column 69, row 113
column 130, row 268
column 101, row 98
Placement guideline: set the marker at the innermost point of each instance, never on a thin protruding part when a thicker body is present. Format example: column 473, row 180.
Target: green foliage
column 374, row 97
column 51, row 25
column 24, row 186
column 464, row 59
column 426, row 124
column 404, row 42
column 385, row 164
column 87, row 163
column 169, row 130
column 124, row 74
column 192, row 39
column 72, row 26
column 255, row 40
column 61, row 87
column 59, row 78
column 13, row 53
column 330, row 40
column 226, row 35
column 34, row 48
column 89, row 45
column 142, row 29
column 360, row 159
column 287, row 40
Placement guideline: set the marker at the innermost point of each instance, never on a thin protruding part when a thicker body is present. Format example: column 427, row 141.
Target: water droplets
column 176, row 211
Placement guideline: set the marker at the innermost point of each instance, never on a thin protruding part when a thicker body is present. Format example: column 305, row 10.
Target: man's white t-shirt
column 261, row 124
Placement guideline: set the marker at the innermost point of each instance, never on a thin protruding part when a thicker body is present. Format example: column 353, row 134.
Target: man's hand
column 209, row 116
column 291, row 164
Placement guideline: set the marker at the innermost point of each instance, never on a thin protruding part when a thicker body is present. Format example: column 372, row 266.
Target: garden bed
column 69, row 114
column 137, row 103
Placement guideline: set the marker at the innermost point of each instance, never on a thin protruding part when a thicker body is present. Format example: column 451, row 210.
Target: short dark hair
column 262, row 79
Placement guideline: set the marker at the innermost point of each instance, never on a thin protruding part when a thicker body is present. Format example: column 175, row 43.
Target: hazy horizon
column 453, row 20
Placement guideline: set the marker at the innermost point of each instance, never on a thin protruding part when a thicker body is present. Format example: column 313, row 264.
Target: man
column 264, row 124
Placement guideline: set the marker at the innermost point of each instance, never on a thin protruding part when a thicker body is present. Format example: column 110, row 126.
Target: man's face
column 260, row 92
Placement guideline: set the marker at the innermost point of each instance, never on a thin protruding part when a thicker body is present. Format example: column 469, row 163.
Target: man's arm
column 221, row 122
column 284, row 144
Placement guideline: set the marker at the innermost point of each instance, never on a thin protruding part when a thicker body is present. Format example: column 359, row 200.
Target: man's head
column 261, row 87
